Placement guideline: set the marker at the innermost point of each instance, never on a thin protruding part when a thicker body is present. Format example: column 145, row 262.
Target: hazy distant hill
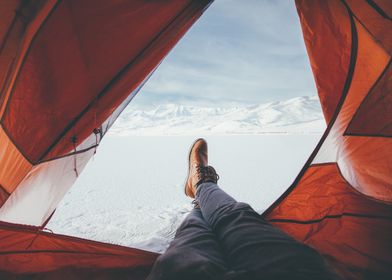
column 301, row 115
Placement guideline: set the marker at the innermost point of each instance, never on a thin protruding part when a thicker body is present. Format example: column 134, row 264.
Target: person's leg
column 253, row 246
column 193, row 254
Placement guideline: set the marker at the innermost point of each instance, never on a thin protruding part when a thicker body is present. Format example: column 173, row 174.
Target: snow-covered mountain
column 301, row 115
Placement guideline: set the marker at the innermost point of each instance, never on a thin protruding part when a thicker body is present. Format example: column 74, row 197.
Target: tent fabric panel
column 364, row 161
column 39, row 193
column 62, row 63
column 28, row 251
column 7, row 23
column 383, row 7
column 31, row 16
column 130, row 77
column 13, row 166
column 7, row 15
column 82, row 273
column 327, row 33
column 349, row 229
column 82, row 65
column 12, row 29
column 374, row 116
column 377, row 25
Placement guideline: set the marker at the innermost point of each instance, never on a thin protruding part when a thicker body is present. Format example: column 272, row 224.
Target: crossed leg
column 255, row 249
column 228, row 239
column 193, row 254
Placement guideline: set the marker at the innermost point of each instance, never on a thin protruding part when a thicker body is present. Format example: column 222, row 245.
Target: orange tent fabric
column 28, row 253
column 341, row 202
column 67, row 70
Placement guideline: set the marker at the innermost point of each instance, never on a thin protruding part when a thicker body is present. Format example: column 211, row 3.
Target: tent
column 67, row 70
column 340, row 203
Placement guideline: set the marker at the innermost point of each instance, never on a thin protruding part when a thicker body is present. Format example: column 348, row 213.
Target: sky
column 239, row 52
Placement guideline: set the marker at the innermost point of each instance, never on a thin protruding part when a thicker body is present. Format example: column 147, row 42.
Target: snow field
column 131, row 193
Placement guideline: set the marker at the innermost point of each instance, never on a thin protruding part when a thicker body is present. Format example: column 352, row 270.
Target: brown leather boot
column 199, row 172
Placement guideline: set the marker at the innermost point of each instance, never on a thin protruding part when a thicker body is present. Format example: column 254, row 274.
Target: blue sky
column 239, row 52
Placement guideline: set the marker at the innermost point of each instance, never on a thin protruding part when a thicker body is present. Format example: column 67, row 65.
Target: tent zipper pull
column 97, row 131
column 74, row 140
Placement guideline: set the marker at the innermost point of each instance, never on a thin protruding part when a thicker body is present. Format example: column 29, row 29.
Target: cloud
column 239, row 51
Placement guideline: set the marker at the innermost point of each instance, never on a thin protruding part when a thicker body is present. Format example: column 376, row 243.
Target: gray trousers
column 226, row 239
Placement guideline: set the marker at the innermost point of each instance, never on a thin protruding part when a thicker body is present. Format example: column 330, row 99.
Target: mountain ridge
column 300, row 115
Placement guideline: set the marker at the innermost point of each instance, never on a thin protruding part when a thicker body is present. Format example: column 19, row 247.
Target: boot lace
column 206, row 174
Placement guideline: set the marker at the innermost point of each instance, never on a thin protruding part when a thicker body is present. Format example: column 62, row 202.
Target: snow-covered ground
column 131, row 193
